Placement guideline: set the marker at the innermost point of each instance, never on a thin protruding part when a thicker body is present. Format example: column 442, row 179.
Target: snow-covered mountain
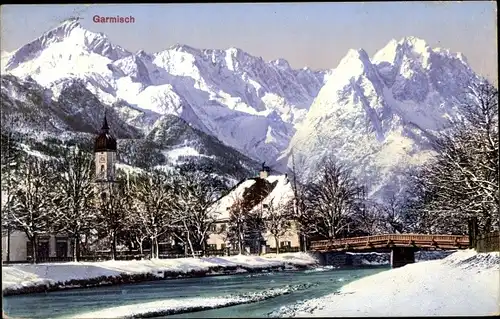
column 378, row 114
column 76, row 116
column 375, row 114
column 245, row 102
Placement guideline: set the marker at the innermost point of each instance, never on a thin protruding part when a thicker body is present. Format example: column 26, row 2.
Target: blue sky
column 317, row 35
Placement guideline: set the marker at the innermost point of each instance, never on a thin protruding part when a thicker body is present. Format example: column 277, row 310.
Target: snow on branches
column 462, row 181
column 153, row 196
column 74, row 213
column 331, row 198
column 31, row 209
column 193, row 209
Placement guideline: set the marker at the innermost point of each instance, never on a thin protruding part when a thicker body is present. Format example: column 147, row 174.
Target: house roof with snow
column 274, row 190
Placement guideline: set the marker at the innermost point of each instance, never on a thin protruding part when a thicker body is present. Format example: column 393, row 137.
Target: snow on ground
column 173, row 306
column 26, row 275
column 174, row 154
column 464, row 283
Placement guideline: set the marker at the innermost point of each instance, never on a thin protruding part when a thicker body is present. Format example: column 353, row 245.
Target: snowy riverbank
column 26, row 278
column 462, row 284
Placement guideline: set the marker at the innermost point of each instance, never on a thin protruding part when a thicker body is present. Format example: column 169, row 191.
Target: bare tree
column 464, row 175
column 114, row 203
column 331, row 198
column 74, row 188
column 392, row 215
column 237, row 217
column 367, row 220
column 11, row 157
column 195, row 194
column 303, row 220
column 278, row 219
column 32, row 202
column 154, row 195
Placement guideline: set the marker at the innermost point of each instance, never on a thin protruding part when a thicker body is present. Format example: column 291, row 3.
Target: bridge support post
column 336, row 258
column 401, row 256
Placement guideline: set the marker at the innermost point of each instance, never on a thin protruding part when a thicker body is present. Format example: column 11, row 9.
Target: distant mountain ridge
column 247, row 103
column 377, row 114
column 77, row 116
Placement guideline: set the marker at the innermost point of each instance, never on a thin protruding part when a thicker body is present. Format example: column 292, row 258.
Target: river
column 280, row 288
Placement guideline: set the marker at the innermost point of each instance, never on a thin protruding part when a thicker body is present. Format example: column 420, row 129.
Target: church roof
column 105, row 142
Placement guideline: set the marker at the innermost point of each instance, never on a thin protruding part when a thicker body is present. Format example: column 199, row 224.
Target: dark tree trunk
column 203, row 247
column 113, row 245
column 34, row 246
column 276, row 239
column 140, row 246
column 152, row 247
column 76, row 248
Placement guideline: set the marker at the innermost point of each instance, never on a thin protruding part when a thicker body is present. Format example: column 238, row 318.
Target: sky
column 316, row 35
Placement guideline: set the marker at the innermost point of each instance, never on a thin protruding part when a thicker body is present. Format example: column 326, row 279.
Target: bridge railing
column 414, row 239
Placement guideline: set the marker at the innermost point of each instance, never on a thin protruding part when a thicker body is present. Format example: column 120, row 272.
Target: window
column 43, row 249
column 222, row 246
column 102, row 173
column 212, row 228
column 212, row 247
column 61, row 247
column 223, row 227
column 285, row 244
column 29, row 250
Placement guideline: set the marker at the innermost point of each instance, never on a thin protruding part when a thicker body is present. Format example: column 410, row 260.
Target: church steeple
column 104, row 142
column 105, row 154
column 105, row 126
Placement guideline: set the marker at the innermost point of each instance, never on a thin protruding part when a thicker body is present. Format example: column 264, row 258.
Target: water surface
column 306, row 285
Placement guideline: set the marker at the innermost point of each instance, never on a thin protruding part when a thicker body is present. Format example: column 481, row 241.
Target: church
column 105, row 147
column 59, row 246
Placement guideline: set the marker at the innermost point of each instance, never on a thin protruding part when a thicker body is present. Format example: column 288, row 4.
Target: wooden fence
column 128, row 255
column 489, row 242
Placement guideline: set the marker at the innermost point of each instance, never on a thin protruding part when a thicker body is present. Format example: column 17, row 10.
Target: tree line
column 157, row 206
column 60, row 196
column 438, row 197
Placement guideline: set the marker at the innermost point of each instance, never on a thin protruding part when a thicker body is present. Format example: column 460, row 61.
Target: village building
column 257, row 195
column 17, row 248
column 15, row 245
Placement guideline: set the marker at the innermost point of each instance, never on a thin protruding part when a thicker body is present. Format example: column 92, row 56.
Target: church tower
column 105, row 158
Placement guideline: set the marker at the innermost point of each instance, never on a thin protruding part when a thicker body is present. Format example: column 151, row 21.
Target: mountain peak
column 183, row 48
column 69, row 24
column 234, row 51
column 62, row 31
column 414, row 43
column 412, row 40
column 352, row 58
column 281, row 63
column 409, row 45
column 67, row 35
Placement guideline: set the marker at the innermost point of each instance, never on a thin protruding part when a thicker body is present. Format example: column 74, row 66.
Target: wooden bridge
column 401, row 246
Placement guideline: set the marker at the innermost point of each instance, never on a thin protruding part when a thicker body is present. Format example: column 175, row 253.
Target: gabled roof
column 280, row 192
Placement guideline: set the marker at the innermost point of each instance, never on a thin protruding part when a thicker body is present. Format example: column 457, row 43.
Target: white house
column 280, row 195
